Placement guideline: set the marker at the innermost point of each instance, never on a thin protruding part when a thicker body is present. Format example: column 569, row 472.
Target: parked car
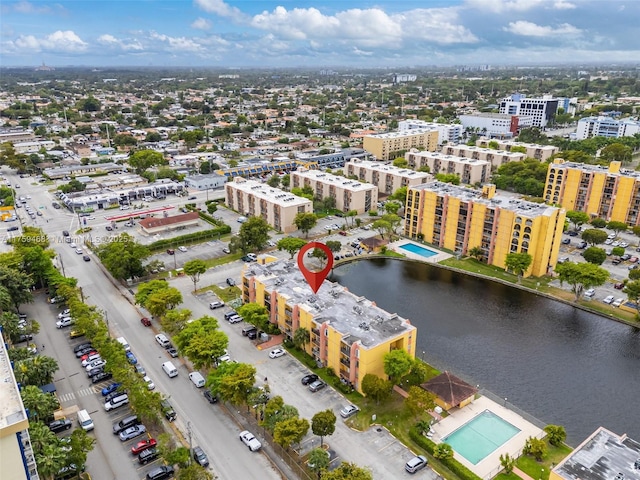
column 65, row 322
column 149, row 382
column 226, row 250
column 173, row 351
column 566, row 241
column 590, row 292
column 64, row 313
column 182, row 248
column 618, row 286
column 86, row 258
column 231, row 282
column 200, row 457
column 278, row 352
column 59, row 425
column 101, row 377
column 608, row 299
column 131, row 358
column 169, row 413
column 348, row 410
column 140, row 370
column 310, row 378
column 81, row 346
column 160, row 473
column 148, row 455
column 171, row 251
column 211, row 398
column 250, row 440
column 110, row 389
column 415, row 464
column 214, row 305
column 143, row 445
column 126, row 422
column 317, row 385
column 145, row 321
column 617, row 302
column 132, row 432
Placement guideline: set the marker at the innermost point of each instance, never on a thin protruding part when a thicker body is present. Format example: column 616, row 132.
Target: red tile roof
column 155, row 222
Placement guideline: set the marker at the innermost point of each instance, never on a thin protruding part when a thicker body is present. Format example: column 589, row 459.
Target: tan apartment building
column 496, row 157
column 532, row 150
column 277, row 207
column 348, row 333
column 386, row 177
column 611, row 193
column 460, row 218
column 469, row 170
column 385, row 146
column 348, row 194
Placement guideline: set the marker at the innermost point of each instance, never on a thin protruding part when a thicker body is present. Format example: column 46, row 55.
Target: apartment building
column 609, row 192
column 348, row 334
column 16, row 134
column 606, row 127
column 331, row 160
column 16, row 455
column 459, row 219
column 277, row 207
column 469, row 170
column 447, row 132
column 496, row 157
column 33, row 146
column 499, row 125
column 385, row 146
column 348, row 194
column 532, row 150
column 386, row 177
column 541, row 109
column 602, row 456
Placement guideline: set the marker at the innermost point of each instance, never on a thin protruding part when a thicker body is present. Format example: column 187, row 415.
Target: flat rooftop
column 450, row 158
column 331, row 179
column 473, row 148
column 265, row 192
column 602, row 456
column 11, row 407
column 624, row 172
column 357, row 318
column 405, row 133
column 387, row 168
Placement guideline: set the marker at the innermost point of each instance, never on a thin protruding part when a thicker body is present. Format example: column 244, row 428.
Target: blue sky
column 298, row 33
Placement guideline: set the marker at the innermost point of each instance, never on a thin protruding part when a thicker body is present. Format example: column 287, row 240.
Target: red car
column 84, row 357
column 618, row 286
column 145, row 321
column 343, row 233
column 143, row 445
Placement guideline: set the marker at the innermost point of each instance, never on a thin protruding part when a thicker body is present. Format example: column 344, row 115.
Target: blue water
column 418, row 250
column 480, row 436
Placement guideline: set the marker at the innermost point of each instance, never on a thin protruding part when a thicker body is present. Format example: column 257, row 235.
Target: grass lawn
column 534, row 469
column 225, row 294
column 506, row 476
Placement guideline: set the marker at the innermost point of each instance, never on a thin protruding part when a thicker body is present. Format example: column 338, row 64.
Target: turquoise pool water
column 418, row 250
column 480, row 436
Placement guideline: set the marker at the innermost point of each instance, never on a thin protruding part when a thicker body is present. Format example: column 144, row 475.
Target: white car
column 149, row 382
column 65, row 313
column 624, row 244
column 73, row 245
column 182, row 249
column 590, row 293
column 278, row 352
column 124, row 207
column 250, row 441
column 65, row 322
column 617, row 302
column 348, row 411
column 608, row 299
column 79, row 251
column 271, row 243
column 95, row 364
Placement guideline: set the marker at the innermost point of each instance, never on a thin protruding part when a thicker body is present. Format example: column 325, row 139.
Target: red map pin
column 315, row 279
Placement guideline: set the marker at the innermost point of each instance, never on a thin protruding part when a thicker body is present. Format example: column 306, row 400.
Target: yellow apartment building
column 348, row 194
column 609, row 192
column 459, row 219
column 602, row 456
column 384, row 146
column 348, row 334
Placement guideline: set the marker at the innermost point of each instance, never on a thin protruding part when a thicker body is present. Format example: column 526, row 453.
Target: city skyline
column 299, row 33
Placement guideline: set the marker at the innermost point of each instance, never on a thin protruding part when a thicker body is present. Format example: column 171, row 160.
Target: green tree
column 291, row 245
column 81, row 444
column 347, row 471
column 195, row 268
column 305, row 222
column 255, row 315
column 577, row 218
column 323, row 424
column 400, row 162
column 518, row 263
column 507, row 462
column 175, row 320
column 202, row 341
column 451, row 178
column 286, row 181
column 146, row 289
column 233, row 381
column 382, row 227
column 37, row 371
column 556, row 434
column 617, row 227
column 17, row 284
column 123, row 257
column 50, row 460
column 617, row 251
column 89, row 104
column 377, row 388
column 276, row 411
column 319, row 461
column 334, row 245
column 581, row 276
column 400, row 195
column 274, row 181
column 254, row 234
column 536, row 448
column 290, row 431
column 392, row 207
column 159, row 302
column 419, row 400
column 194, row 472
column 397, row 364
column 594, row 236
column 40, row 405
column 598, row 222
column 301, row 337
column 40, row 435
column 595, row 255
column 142, row 160
column 476, row 252
column 632, row 289
column 617, row 152
column 443, row 451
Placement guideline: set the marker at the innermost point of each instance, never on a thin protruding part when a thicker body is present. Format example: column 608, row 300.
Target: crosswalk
column 68, row 397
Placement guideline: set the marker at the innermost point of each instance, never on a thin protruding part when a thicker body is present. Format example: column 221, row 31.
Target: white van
column 84, row 420
column 197, row 379
column 170, row 369
column 123, row 341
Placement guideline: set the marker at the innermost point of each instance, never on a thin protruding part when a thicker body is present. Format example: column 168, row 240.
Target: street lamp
column 505, row 402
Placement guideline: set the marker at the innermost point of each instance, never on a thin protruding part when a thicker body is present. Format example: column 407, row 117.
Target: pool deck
column 438, row 257
column 490, row 465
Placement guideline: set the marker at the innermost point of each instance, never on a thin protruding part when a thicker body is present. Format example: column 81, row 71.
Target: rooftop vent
column 357, row 309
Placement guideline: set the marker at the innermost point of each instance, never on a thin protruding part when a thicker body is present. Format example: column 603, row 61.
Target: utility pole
column 190, row 445
column 62, row 265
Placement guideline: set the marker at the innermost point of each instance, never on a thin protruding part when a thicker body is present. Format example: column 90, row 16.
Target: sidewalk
column 521, row 474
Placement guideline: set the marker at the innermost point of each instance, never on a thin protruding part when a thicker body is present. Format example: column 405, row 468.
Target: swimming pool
column 480, row 436
column 418, row 250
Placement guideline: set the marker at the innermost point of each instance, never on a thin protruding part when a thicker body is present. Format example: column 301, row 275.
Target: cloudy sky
column 305, row 33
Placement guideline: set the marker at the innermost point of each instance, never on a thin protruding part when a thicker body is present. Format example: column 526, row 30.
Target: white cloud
column 563, row 5
column 436, row 25
column 181, row 44
column 29, row 8
column 59, row 41
column 111, row 41
column 201, row 24
column 220, row 8
column 529, row 29
column 499, row 6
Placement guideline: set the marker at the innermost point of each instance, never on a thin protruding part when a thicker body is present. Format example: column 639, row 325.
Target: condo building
column 277, row 207
column 611, row 193
column 348, row 194
column 386, row 178
column 500, row 125
column 348, row 333
column 459, row 219
column 447, row 132
column 606, row 127
column 469, row 170
column 532, row 150
column 541, row 109
column 496, row 157
column 385, row 146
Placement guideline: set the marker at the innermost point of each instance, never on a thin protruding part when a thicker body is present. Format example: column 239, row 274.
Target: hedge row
column 190, row 237
column 451, row 463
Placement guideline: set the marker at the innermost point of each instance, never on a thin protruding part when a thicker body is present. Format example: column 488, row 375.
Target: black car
column 307, row 379
column 252, row 335
column 566, row 241
column 211, row 398
column 148, row 455
column 77, row 348
column 95, row 371
column 101, row 377
column 172, row 351
column 169, row 413
column 60, row 425
column 160, row 473
column 200, row 457
column 231, row 282
column 84, row 351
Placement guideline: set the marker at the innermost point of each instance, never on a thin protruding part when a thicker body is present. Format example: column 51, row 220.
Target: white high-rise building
column 541, row 109
column 606, row 127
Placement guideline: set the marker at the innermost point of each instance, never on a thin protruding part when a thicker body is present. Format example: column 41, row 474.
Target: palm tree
column 50, row 460
column 40, row 405
column 40, row 436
